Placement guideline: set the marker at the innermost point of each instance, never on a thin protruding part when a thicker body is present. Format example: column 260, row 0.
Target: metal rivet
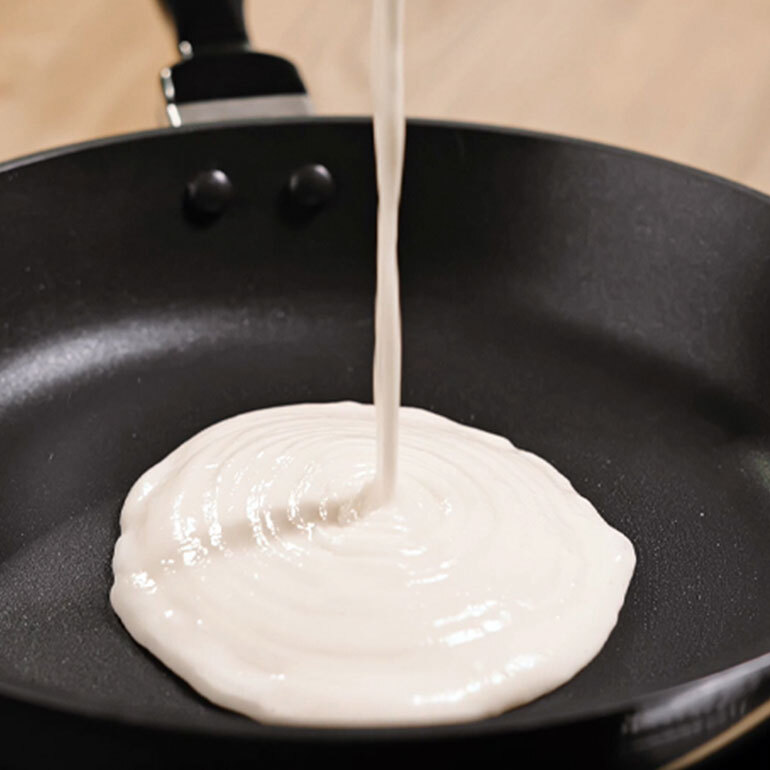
column 208, row 194
column 310, row 186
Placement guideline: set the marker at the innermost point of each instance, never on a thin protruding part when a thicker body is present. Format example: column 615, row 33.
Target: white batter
column 250, row 565
column 389, row 132
column 323, row 564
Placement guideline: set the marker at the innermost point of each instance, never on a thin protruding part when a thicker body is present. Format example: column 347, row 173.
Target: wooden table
column 685, row 79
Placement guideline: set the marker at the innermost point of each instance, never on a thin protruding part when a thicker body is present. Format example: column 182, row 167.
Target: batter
column 348, row 564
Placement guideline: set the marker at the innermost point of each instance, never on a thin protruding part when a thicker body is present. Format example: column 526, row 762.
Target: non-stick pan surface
column 603, row 309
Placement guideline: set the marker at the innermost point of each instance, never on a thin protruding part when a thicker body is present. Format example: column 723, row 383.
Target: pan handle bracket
column 220, row 76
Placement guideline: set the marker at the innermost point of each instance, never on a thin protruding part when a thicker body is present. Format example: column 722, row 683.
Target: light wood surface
column 685, row 79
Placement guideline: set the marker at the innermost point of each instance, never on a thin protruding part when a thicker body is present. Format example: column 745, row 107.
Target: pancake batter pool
column 344, row 564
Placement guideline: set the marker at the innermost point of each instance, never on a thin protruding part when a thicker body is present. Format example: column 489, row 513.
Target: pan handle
column 221, row 77
column 202, row 25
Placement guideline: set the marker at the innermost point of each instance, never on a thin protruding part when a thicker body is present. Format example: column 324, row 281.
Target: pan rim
column 752, row 674
column 13, row 164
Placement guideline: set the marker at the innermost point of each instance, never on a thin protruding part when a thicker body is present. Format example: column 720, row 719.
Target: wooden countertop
column 685, row 79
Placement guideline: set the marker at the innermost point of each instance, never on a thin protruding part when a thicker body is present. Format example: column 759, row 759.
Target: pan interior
column 605, row 311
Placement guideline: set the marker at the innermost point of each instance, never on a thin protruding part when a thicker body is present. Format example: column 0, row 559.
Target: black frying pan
column 604, row 309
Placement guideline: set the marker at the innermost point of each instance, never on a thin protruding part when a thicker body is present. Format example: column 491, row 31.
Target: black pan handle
column 221, row 77
column 208, row 25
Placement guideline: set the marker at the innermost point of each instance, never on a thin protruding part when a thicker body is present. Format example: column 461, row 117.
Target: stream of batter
column 347, row 564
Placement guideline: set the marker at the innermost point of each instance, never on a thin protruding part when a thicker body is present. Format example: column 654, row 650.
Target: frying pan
column 604, row 309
